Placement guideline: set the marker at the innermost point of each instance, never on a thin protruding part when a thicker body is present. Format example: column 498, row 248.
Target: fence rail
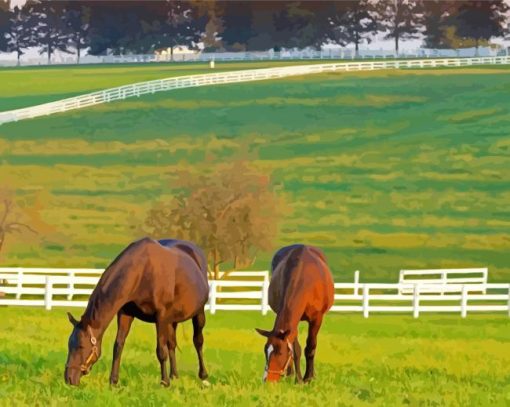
column 159, row 85
column 325, row 54
column 228, row 295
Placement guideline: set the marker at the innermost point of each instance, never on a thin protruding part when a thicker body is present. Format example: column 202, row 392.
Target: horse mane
column 109, row 278
column 291, row 258
column 189, row 248
column 319, row 253
column 282, row 254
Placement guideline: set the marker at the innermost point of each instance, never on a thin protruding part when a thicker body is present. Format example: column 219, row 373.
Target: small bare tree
column 231, row 211
column 10, row 218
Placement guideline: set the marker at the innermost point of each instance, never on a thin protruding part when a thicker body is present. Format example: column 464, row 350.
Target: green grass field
column 384, row 170
column 28, row 86
column 386, row 360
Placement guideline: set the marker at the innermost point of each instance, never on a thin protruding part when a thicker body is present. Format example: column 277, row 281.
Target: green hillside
column 384, row 169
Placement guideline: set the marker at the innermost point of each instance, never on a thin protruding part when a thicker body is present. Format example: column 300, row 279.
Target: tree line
column 113, row 27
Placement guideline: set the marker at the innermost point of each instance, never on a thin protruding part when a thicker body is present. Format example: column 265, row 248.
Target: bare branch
column 14, row 226
column 7, row 210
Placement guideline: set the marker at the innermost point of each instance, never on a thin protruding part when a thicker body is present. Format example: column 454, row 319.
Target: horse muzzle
column 72, row 376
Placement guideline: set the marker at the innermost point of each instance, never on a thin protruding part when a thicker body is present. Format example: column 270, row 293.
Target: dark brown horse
column 301, row 289
column 161, row 282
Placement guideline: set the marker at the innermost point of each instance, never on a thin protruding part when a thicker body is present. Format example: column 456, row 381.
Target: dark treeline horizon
column 135, row 27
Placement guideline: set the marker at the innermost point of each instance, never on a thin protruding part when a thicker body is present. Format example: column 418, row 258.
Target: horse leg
column 123, row 324
column 172, row 343
column 162, row 349
column 290, row 370
column 297, row 360
column 311, row 345
column 198, row 341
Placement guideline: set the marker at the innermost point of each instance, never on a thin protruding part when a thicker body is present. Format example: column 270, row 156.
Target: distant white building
column 179, row 52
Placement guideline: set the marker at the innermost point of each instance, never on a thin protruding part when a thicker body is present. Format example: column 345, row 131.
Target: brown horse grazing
column 301, row 289
column 161, row 282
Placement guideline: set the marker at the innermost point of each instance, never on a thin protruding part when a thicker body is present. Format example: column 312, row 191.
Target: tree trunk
column 172, row 53
column 49, row 54
column 356, row 45
column 477, row 44
column 396, row 45
column 78, row 50
column 19, row 56
column 216, row 265
column 2, row 240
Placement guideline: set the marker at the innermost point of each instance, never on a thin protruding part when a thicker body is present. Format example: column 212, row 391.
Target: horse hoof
column 164, row 383
column 206, row 383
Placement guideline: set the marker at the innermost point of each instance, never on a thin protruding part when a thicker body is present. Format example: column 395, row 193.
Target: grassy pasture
column 386, row 360
column 384, row 169
column 28, row 86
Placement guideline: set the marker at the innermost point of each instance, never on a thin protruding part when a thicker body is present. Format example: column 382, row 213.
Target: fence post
column 19, row 285
column 508, row 300
column 265, row 295
column 212, row 297
column 356, row 282
column 70, row 285
column 48, row 293
column 365, row 300
column 444, row 280
column 416, row 301
column 463, row 301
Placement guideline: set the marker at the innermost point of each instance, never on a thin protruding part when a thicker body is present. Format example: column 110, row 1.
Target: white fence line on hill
column 143, row 88
column 59, row 290
column 324, row 54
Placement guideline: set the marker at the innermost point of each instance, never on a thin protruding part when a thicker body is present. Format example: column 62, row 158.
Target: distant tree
column 264, row 34
column 261, row 25
column 400, row 19
column 480, row 20
column 303, row 24
column 352, row 22
column 436, row 20
column 10, row 218
column 231, row 212
column 19, row 35
column 208, row 17
column 77, row 25
column 50, row 28
column 237, row 23
column 5, row 14
column 114, row 26
column 169, row 24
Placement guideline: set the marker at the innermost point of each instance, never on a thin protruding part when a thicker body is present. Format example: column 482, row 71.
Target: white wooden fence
column 71, row 288
column 325, row 54
column 143, row 88
column 441, row 281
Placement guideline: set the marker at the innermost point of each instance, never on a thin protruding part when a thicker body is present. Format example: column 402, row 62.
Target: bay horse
column 162, row 282
column 301, row 289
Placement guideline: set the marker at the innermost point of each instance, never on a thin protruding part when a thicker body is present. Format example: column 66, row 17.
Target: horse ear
column 262, row 332
column 283, row 334
column 72, row 320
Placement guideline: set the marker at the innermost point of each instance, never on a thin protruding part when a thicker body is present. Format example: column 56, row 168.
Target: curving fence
column 71, row 288
column 160, row 85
